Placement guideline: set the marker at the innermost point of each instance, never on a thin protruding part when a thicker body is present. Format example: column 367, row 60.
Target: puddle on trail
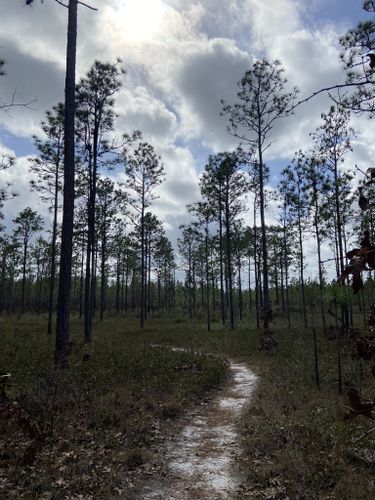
column 201, row 459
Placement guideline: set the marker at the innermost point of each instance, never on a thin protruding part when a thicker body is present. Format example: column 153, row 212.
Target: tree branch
column 328, row 89
column 79, row 2
column 61, row 3
column 86, row 5
column 5, row 106
column 363, row 435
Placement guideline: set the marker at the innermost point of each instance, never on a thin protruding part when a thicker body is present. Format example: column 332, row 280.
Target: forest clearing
column 187, row 249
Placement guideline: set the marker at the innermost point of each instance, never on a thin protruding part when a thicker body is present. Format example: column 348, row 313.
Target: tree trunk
column 92, row 238
column 2, row 280
column 118, row 284
column 256, row 276
column 277, row 299
column 266, row 301
column 229, row 258
column 249, row 271
column 65, row 275
column 240, row 302
column 149, row 281
column 190, row 287
column 103, row 283
column 318, row 245
column 222, row 301
column 207, row 282
column 321, row 283
column 281, row 263
column 24, row 260
column 301, row 264
column 87, row 282
column 142, row 321
column 81, row 279
column 147, row 249
column 287, row 300
column 53, row 253
column 344, row 307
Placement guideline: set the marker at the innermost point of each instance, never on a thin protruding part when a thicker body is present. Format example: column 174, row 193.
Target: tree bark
column 24, row 260
column 53, row 253
column 222, row 307
column 266, row 301
column 65, row 275
column 229, row 258
column 207, row 281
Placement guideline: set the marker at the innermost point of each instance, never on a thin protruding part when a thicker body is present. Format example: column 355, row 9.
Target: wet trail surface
column 202, row 458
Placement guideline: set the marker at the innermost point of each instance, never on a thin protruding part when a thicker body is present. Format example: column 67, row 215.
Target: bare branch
column 86, row 5
column 61, row 3
column 79, row 2
column 362, row 172
column 328, row 89
column 363, row 435
column 5, row 106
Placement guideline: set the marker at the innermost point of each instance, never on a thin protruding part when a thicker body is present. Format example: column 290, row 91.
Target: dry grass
column 107, row 416
column 297, row 440
column 102, row 417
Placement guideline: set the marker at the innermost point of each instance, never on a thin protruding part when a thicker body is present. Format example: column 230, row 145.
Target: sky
column 181, row 58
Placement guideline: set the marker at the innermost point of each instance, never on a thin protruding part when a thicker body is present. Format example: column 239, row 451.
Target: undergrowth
column 100, row 416
column 300, row 441
column 104, row 415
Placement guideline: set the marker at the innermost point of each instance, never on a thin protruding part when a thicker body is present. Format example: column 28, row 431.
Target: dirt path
column 201, row 460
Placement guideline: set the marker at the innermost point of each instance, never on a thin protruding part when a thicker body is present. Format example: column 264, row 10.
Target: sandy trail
column 201, row 460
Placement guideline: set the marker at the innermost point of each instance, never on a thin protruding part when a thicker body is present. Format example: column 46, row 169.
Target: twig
column 327, row 260
column 61, row 3
column 88, row 6
column 5, row 106
column 79, row 2
column 363, row 435
column 362, row 172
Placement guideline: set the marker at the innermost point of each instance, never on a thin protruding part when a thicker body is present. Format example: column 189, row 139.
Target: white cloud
column 207, row 73
column 19, row 177
column 141, row 110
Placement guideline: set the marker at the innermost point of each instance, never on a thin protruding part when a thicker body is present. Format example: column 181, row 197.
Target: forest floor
column 124, row 416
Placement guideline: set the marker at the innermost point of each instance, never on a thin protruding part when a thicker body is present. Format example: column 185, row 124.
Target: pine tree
column 356, row 44
column 48, row 169
column 205, row 214
column 261, row 102
column 292, row 191
column 96, row 117
column 6, row 161
column 28, row 222
column 145, row 172
column 223, row 186
column 188, row 245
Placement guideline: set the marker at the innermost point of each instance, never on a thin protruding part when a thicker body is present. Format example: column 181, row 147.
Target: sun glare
column 141, row 19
